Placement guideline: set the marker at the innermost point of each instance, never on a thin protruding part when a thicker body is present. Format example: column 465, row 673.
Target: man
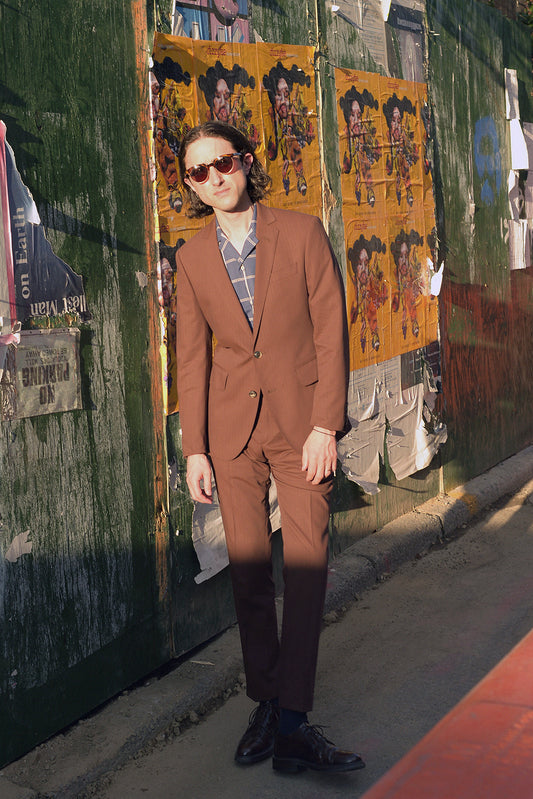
column 264, row 282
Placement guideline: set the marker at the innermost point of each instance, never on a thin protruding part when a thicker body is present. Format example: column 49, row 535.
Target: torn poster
column 19, row 546
column 41, row 374
column 519, row 153
column 44, row 285
column 512, row 108
column 515, row 197
column 519, row 256
column 528, row 189
column 208, row 536
column 390, row 404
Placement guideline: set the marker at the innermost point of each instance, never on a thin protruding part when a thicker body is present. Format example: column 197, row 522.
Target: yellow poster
column 174, row 113
column 228, row 87
column 290, row 126
column 368, row 292
column 388, row 212
column 360, row 143
column 403, row 145
column 410, row 282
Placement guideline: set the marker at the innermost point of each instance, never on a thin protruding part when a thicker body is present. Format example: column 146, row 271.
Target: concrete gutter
column 73, row 763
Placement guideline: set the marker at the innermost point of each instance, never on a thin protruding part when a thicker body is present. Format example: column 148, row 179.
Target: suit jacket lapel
column 211, row 271
column 267, row 235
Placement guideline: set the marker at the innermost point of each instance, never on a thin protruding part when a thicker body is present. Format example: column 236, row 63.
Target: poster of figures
column 289, row 123
column 388, row 215
column 402, row 141
column 368, row 291
column 360, row 143
column 174, row 113
column 410, row 282
column 265, row 90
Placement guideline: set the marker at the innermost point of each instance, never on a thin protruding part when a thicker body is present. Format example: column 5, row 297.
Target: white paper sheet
column 512, row 110
column 519, row 156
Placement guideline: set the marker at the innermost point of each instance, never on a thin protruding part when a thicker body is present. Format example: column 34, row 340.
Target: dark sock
column 274, row 702
column 290, row 720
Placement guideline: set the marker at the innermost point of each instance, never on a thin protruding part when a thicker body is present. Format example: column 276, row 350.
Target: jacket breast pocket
column 307, row 373
column 285, row 272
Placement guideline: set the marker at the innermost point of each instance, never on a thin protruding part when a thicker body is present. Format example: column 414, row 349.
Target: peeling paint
column 19, row 546
column 382, row 411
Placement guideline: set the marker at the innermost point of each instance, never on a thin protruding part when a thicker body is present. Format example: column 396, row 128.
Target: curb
column 69, row 765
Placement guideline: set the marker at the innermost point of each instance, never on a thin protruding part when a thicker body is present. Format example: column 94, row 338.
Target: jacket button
column 258, row 354
column 252, row 394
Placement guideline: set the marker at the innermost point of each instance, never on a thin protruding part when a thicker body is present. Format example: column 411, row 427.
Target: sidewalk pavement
column 70, row 764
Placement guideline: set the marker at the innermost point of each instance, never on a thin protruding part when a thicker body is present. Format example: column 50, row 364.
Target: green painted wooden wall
column 80, row 616
column 486, row 308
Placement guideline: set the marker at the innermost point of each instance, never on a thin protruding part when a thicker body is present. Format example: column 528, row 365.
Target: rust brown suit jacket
column 296, row 354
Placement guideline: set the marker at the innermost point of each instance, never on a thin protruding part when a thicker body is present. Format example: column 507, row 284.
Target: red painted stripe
column 482, row 748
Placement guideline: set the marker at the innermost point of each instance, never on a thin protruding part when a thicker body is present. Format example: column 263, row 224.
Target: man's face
column 403, row 261
column 154, row 88
column 282, row 99
column 355, row 117
column 221, row 101
column 396, row 119
column 362, row 267
column 166, row 280
column 225, row 193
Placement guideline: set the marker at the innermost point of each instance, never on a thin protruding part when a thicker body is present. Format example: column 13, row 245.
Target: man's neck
column 236, row 225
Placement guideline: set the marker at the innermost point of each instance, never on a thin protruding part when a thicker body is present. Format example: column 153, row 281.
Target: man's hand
column 319, row 455
column 199, row 478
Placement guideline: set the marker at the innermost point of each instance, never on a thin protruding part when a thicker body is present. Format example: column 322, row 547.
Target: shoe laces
column 260, row 712
column 317, row 731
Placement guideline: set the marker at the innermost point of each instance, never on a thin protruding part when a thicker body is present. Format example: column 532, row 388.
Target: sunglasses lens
column 199, row 173
column 224, row 164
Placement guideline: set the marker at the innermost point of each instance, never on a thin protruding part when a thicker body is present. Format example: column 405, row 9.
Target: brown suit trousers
column 282, row 668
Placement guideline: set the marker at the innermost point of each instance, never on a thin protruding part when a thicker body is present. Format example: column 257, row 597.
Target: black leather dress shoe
column 257, row 743
column 306, row 747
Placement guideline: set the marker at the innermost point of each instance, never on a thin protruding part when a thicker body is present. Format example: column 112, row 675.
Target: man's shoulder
column 289, row 218
column 198, row 240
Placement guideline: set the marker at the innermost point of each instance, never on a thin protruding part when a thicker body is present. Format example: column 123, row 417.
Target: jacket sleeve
column 193, row 357
column 327, row 308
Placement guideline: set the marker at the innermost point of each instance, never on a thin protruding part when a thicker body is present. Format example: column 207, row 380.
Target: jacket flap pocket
column 307, row 372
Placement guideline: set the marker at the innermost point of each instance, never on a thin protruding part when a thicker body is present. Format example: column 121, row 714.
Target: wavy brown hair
column 258, row 182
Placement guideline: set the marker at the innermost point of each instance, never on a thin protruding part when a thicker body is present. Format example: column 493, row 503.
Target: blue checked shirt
column 241, row 266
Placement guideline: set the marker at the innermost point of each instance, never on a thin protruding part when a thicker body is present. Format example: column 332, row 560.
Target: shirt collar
column 251, row 238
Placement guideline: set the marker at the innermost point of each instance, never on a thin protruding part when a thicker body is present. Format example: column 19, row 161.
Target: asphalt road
column 389, row 669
